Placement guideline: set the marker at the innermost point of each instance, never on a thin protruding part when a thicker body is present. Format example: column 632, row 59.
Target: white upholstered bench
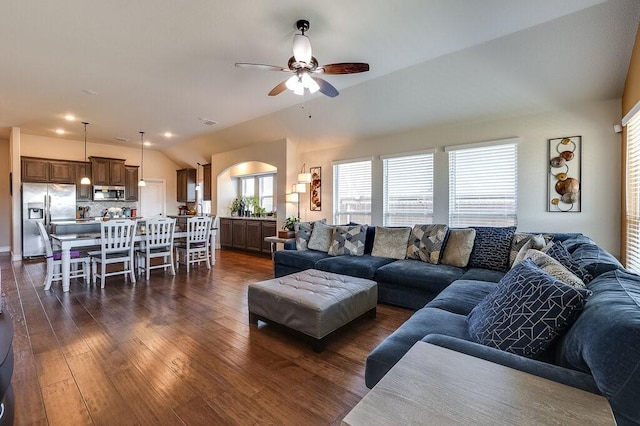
column 312, row 302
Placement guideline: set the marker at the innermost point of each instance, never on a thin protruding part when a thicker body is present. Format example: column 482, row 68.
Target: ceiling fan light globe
column 292, row 83
column 299, row 90
column 302, row 48
column 310, row 83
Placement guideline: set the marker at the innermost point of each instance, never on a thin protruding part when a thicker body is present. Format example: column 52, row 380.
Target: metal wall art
column 564, row 179
column 315, row 196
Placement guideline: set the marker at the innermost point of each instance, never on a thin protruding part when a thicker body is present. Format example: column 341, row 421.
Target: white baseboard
column 5, row 249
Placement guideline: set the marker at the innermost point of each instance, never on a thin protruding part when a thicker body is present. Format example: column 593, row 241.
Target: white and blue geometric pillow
column 303, row 233
column 348, row 240
column 526, row 311
column 425, row 242
column 491, row 247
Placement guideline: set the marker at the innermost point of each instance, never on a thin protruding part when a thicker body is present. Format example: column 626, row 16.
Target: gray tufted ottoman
column 312, row 302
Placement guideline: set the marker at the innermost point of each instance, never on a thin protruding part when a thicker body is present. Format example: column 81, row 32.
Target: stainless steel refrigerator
column 44, row 202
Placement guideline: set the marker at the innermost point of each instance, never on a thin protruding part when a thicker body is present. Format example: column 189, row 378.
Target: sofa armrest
column 290, row 245
column 576, row 379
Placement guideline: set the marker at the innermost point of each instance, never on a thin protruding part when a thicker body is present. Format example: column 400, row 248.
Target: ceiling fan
column 305, row 68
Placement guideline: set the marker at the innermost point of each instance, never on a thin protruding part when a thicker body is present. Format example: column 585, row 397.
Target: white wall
column 600, row 216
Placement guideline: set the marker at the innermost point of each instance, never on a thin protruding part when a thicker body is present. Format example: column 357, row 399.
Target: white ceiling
column 160, row 65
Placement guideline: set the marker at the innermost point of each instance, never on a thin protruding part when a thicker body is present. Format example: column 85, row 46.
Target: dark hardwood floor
column 175, row 350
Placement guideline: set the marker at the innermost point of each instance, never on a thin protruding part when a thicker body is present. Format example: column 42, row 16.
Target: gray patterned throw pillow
column 391, row 242
column 320, row 237
column 303, row 233
column 348, row 240
column 425, row 242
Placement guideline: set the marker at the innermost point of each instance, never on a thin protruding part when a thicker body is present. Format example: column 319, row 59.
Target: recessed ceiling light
column 167, row 134
column 90, row 92
column 70, row 117
column 147, row 143
column 60, row 131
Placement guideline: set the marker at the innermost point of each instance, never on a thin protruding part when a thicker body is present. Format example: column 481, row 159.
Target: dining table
column 67, row 242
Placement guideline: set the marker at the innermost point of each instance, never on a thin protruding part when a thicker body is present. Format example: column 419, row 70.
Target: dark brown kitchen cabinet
column 131, row 183
column 246, row 233
column 268, row 230
column 62, row 172
column 108, row 171
column 226, row 232
column 206, row 182
column 34, row 169
column 83, row 192
column 186, row 186
column 254, row 235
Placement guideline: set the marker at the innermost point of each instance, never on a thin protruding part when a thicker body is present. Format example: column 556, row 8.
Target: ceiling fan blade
column 326, row 88
column 278, row 89
column 344, row 68
column 261, row 67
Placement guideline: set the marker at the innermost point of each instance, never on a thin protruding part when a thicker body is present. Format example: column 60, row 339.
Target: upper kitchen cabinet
column 131, row 185
column 186, row 186
column 108, row 171
column 47, row 171
column 34, row 169
column 206, row 182
column 83, row 192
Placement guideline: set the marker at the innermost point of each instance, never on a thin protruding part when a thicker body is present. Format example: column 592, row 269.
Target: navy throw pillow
column 560, row 253
column 526, row 311
column 491, row 247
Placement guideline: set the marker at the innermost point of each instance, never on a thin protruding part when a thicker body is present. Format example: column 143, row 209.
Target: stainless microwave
column 107, row 193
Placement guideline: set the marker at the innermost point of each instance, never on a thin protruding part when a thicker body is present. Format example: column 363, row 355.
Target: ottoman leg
column 253, row 318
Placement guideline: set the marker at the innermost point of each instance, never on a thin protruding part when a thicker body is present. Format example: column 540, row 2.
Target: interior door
column 152, row 198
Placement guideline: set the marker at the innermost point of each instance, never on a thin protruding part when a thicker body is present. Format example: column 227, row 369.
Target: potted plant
column 288, row 227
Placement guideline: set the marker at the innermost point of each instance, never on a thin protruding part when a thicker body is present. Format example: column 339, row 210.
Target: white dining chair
column 212, row 238
column 79, row 262
column 157, row 243
column 195, row 247
column 116, row 246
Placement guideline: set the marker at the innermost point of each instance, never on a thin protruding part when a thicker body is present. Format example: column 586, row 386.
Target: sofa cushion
column 479, row 274
column 423, row 322
column 299, row 259
column 348, row 240
column 491, row 247
column 605, row 341
column 355, row 266
column 391, row 242
column 320, row 237
column 590, row 256
column 458, row 247
column 426, row 241
column 413, row 273
column 526, row 311
column 462, row 296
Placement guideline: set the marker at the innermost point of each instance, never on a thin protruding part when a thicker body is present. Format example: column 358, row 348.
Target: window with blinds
column 483, row 184
column 632, row 208
column 407, row 189
column 352, row 192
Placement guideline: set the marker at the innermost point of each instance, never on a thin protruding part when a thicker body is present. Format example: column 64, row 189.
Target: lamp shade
column 292, row 198
column 85, row 181
column 304, row 177
column 300, row 188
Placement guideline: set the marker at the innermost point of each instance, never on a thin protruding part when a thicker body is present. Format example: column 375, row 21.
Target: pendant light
column 85, row 179
column 141, row 181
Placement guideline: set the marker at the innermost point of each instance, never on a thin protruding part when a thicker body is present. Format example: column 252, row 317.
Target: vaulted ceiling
column 164, row 66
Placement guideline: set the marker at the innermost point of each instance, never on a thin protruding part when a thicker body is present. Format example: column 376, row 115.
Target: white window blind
column 632, row 209
column 408, row 190
column 352, row 192
column 483, row 185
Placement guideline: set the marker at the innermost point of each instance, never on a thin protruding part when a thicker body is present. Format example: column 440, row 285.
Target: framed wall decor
column 564, row 180
column 315, row 194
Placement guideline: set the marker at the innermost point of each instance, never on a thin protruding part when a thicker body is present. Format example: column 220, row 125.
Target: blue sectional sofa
column 599, row 352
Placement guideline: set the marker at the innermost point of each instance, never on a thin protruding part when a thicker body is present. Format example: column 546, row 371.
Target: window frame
column 359, row 216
